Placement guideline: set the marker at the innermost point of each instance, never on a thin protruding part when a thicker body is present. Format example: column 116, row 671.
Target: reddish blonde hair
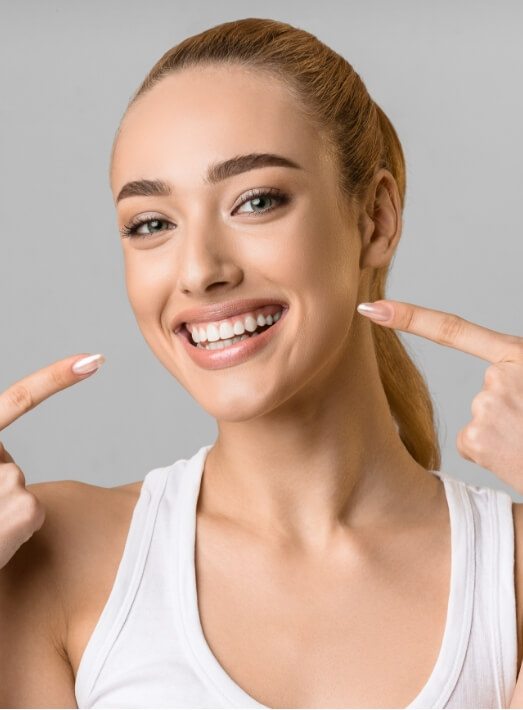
column 361, row 140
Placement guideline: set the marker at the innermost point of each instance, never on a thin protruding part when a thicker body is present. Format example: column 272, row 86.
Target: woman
column 314, row 555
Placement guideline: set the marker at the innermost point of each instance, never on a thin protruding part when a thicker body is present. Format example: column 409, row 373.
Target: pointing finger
column 30, row 391
column 448, row 329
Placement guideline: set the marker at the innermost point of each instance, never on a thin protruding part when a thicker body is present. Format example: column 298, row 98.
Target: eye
column 132, row 229
column 260, row 197
column 262, row 200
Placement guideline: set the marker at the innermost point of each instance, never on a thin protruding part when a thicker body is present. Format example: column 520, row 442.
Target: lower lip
column 233, row 354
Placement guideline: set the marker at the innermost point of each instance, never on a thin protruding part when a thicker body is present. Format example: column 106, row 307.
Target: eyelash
column 130, row 230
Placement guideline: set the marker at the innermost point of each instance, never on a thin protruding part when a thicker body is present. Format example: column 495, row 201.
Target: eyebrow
column 215, row 173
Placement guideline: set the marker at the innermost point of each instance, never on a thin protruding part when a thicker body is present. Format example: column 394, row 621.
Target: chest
column 360, row 631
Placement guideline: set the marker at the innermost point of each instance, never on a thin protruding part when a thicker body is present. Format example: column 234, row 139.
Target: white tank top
column 148, row 649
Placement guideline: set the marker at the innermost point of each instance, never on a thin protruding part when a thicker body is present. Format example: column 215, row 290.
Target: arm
column 34, row 668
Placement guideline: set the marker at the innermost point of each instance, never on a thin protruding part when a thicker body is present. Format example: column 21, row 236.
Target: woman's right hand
column 21, row 513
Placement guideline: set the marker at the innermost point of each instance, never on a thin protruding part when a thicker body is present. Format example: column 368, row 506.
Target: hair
column 361, row 140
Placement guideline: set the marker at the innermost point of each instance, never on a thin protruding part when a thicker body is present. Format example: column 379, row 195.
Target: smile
column 222, row 333
column 233, row 340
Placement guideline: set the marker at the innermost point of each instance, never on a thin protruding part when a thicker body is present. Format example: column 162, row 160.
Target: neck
column 328, row 458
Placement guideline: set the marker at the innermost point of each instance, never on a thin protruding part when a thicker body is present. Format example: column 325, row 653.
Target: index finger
column 454, row 331
column 30, row 391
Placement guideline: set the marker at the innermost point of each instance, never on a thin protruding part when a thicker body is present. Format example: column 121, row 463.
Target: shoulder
column 75, row 514
column 79, row 519
column 43, row 582
column 66, row 500
column 81, row 522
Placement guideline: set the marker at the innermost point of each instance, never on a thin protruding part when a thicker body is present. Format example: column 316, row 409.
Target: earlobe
column 380, row 224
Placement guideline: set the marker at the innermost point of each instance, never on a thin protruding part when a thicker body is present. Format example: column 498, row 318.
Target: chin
column 241, row 405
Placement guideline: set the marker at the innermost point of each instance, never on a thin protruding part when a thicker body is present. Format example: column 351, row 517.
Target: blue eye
column 255, row 196
column 131, row 230
column 262, row 195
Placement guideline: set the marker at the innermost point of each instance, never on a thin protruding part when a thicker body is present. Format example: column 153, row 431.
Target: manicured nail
column 375, row 311
column 88, row 364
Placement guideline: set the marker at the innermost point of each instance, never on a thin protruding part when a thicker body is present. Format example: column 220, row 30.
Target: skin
column 313, row 521
column 324, row 470
column 334, row 480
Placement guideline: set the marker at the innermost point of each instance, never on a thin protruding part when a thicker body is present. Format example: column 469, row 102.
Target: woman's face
column 211, row 242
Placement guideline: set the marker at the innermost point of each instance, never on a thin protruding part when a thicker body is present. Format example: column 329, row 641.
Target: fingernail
column 376, row 312
column 88, row 364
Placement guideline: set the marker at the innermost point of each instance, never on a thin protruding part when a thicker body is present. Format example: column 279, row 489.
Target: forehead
column 203, row 114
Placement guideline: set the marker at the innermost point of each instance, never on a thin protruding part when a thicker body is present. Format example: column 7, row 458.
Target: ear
column 380, row 221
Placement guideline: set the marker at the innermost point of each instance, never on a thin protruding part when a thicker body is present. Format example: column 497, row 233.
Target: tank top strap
column 148, row 648
column 451, row 657
column 502, row 588
column 126, row 583
column 484, row 673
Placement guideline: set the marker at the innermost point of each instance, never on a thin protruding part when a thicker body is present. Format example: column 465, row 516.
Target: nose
column 206, row 260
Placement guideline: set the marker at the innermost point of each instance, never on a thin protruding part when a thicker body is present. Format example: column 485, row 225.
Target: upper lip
column 219, row 311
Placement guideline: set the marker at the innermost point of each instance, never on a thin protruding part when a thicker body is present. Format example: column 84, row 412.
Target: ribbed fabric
column 148, row 649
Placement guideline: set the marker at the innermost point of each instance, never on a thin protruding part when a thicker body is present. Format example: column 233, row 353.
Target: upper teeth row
column 227, row 330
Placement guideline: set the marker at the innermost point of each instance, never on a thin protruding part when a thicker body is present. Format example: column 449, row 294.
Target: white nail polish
column 88, row 364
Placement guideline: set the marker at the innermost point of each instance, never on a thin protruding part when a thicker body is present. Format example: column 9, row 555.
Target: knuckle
column 20, row 397
column 58, row 377
column 30, row 507
column 472, row 438
column 12, row 476
column 498, row 378
column 450, row 328
column 407, row 317
column 491, row 378
column 483, row 402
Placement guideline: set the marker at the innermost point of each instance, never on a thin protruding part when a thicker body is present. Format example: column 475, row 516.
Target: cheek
column 325, row 279
column 300, row 253
column 323, row 261
column 148, row 284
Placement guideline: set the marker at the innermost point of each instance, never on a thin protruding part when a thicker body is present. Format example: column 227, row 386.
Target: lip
column 219, row 311
column 233, row 354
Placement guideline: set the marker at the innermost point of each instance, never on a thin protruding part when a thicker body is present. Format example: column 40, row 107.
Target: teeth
column 223, row 343
column 220, row 344
column 212, row 333
column 227, row 331
column 238, row 327
column 250, row 324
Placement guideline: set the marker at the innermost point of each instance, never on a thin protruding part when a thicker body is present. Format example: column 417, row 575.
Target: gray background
column 448, row 74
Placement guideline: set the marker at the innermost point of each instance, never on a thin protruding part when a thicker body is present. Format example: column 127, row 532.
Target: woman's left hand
column 494, row 437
